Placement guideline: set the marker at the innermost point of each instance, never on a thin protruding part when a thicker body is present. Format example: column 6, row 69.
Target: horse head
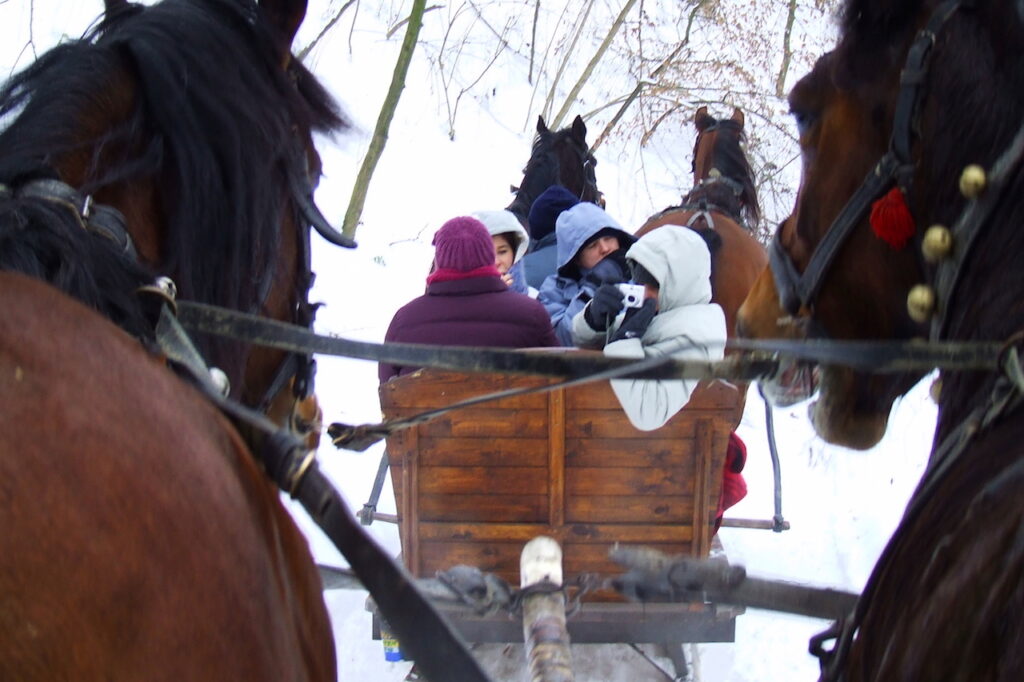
column 721, row 172
column 190, row 119
column 557, row 158
column 882, row 162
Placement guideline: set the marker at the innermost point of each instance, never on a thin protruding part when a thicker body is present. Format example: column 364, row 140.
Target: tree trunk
column 387, row 112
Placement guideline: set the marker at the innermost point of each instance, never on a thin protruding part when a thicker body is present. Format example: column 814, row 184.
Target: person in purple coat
column 467, row 303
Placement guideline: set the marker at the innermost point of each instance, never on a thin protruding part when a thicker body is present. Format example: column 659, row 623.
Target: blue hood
column 578, row 225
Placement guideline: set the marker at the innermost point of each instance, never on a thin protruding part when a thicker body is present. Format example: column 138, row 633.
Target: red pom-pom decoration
column 891, row 220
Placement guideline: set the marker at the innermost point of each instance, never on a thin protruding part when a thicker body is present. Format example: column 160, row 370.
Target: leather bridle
column 797, row 289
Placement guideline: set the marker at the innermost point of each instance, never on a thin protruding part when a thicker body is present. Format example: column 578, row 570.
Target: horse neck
column 976, row 127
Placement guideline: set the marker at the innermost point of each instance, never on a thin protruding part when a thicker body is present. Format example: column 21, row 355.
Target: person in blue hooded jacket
column 591, row 252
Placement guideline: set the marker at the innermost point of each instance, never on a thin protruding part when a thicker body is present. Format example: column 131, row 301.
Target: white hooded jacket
column 687, row 326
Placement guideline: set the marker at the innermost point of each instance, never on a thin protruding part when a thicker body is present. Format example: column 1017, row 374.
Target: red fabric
column 891, row 220
column 734, row 487
column 450, row 275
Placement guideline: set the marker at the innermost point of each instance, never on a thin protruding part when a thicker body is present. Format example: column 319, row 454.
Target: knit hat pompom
column 463, row 244
column 547, row 207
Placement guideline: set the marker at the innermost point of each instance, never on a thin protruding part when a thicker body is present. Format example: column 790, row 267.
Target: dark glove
column 611, row 269
column 636, row 322
column 603, row 308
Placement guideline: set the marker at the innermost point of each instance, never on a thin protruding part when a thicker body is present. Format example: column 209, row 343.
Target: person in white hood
column 677, row 319
column 510, row 242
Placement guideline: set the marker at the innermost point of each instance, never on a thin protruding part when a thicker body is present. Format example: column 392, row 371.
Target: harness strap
column 100, row 219
column 437, row 648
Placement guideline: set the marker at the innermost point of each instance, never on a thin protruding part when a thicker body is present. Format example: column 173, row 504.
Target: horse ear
column 541, row 126
column 737, row 116
column 286, row 16
column 579, row 129
column 702, row 119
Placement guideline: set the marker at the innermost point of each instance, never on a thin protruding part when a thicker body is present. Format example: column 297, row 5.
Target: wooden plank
column 484, row 507
column 494, row 557
column 489, row 451
column 410, row 503
column 521, row 533
column 660, row 509
column 556, row 458
column 474, row 480
column 593, row 558
column 605, row 423
column 701, row 518
column 649, row 452
column 489, row 423
column 485, row 533
column 615, row 481
column 433, row 388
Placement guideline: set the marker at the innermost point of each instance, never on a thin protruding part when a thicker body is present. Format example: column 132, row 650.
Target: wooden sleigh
column 473, row 486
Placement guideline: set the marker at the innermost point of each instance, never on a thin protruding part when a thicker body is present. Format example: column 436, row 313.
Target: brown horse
column 141, row 540
column 208, row 169
column 140, row 537
column 557, row 158
column 721, row 206
column 895, row 236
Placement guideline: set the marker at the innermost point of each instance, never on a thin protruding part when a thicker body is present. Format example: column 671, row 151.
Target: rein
column 429, row 637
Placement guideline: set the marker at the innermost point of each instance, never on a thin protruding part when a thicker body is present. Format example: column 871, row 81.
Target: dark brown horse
column 210, row 167
column 894, row 237
column 722, row 206
column 141, row 539
column 558, row 158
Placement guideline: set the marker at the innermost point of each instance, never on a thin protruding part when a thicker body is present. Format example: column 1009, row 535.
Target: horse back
column 140, row 539
column 736, row 264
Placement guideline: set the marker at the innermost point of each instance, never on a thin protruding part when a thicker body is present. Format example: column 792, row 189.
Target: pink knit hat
column 463, row 244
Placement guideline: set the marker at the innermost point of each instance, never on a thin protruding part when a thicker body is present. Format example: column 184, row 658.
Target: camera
column 632, row 294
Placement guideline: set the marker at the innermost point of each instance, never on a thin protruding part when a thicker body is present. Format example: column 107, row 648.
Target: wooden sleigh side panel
column 473, row 486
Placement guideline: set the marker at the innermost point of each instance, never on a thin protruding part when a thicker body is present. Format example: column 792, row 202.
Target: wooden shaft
column 544, row 630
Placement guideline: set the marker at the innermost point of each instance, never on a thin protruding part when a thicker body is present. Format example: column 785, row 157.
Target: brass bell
column 972, row 181
column 921, row 303
column 937, row 243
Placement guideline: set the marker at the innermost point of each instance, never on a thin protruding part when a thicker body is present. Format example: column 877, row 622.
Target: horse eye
column 803, row 119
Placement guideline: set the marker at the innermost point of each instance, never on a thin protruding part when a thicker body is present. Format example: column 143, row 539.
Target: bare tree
column 387, row 112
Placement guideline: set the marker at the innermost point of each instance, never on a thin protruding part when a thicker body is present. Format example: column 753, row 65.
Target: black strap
column 428, row 637
column 368, row 513
column 873, row 356
column 778, row 521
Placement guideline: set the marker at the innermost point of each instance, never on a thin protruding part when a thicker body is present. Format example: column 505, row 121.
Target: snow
column 842, row 504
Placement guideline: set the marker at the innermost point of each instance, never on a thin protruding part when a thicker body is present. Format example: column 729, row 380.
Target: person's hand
column 636, row 322
column 507, row 279
column 611, row 269
column 603, row 308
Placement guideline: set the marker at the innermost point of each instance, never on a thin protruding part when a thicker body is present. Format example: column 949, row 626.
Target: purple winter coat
column 479, row 311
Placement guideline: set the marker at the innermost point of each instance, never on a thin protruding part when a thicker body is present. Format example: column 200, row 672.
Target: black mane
column 728, row 157
column 212, row 125
column 554, row 159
